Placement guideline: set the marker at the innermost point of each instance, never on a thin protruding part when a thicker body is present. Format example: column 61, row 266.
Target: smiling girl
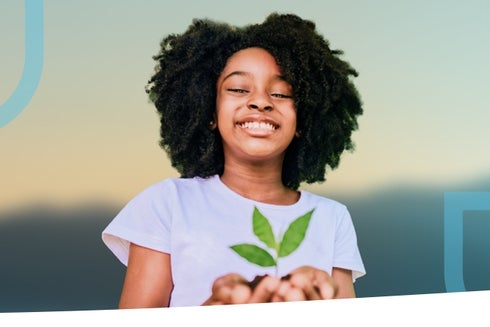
column 247, row 115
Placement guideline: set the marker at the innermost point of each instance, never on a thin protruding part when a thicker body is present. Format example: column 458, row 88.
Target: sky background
column 89, row 132
column 89, row 136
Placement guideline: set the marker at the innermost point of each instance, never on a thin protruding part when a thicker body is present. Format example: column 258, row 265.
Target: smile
column 255, row 125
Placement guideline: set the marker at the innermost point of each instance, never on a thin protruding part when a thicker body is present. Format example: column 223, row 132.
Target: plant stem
column 276, row 274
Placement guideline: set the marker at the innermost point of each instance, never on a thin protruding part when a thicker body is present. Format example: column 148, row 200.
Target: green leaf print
column 254, row 254
column 291, row 240
column 262, row 229
column 294, row 235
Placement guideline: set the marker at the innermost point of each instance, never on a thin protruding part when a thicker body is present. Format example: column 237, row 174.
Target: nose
column 260, row 103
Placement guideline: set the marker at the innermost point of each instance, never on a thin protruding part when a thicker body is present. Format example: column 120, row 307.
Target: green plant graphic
column 281, row 246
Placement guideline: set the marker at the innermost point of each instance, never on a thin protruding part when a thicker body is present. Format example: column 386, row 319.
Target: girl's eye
column 281, row 96
column 237, row 90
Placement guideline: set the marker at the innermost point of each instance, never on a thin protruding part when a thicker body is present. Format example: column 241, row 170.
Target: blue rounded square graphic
column 455, row 203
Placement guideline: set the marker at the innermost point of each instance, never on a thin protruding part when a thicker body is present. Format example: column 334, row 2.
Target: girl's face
column 255, row 111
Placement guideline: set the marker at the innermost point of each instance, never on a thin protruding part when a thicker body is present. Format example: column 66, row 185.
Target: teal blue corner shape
column 455, row 203
column 33, row 63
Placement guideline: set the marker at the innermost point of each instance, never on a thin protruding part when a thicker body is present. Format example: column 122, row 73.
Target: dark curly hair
column 183, row 89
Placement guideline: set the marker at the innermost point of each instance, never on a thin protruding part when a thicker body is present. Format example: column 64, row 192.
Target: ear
column 213, row 124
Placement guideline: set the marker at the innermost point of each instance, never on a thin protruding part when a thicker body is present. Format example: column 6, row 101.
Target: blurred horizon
column 478, row 183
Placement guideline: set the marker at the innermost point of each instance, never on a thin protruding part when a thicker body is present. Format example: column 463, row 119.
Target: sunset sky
column 89, row 132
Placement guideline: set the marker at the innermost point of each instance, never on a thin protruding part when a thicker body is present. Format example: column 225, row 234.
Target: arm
column 343, row 279
column 148, row 280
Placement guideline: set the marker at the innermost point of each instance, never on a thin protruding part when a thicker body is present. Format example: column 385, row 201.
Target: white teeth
column 258, row 125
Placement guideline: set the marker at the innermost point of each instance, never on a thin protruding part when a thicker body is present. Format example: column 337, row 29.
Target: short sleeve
column 145, row 220
column 347, row 253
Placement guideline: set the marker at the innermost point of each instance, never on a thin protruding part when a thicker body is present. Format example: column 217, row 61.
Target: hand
column 305, row 283
column 235, row 289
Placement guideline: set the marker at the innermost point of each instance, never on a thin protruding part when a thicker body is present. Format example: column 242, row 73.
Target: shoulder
column 176, row 184
column 171, row 187
column 327, row 209
column 322, row 201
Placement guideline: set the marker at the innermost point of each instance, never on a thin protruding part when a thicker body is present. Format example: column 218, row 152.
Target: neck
column 260, row 185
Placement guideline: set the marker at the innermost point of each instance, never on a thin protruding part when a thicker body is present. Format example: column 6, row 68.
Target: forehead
column 251, row 62
column 251, row 56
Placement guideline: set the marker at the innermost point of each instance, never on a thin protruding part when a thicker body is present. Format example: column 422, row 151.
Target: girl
column 247, row 114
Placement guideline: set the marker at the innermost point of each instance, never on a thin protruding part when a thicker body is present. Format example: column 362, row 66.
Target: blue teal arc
column 33, row 63
column 455, row 203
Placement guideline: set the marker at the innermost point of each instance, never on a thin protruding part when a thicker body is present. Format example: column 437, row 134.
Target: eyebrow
column 242, row 73
column 235, row 73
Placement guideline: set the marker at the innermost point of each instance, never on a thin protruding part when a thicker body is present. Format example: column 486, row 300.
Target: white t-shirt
column 196, row 220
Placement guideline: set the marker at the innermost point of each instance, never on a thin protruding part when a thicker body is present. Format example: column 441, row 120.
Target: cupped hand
column 305, row 283
column 235, row 289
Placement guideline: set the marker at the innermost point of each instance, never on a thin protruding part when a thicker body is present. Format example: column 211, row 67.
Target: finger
column 227, row 280
column 315, row 283
column 239, row 294
column 212, row 301
column 229, row 289
column 327, row 290
column 287, row 292
column 231, row 294
column 295, row 294
column 264, row 290
column 281, row 292
column 307, row 285
column 325, row 284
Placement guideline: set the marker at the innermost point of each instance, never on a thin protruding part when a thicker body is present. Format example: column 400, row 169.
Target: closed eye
column 237, row 90
column 281, row 96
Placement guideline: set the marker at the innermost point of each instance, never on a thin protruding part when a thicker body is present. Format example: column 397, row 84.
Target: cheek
column 218, row 112
column 224, row 120
column 225, row 108
column 293, row 118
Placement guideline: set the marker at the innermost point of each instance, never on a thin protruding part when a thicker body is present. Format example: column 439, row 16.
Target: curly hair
column 183, row 89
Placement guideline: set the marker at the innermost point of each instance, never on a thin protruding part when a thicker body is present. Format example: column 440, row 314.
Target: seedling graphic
column 280, row 246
